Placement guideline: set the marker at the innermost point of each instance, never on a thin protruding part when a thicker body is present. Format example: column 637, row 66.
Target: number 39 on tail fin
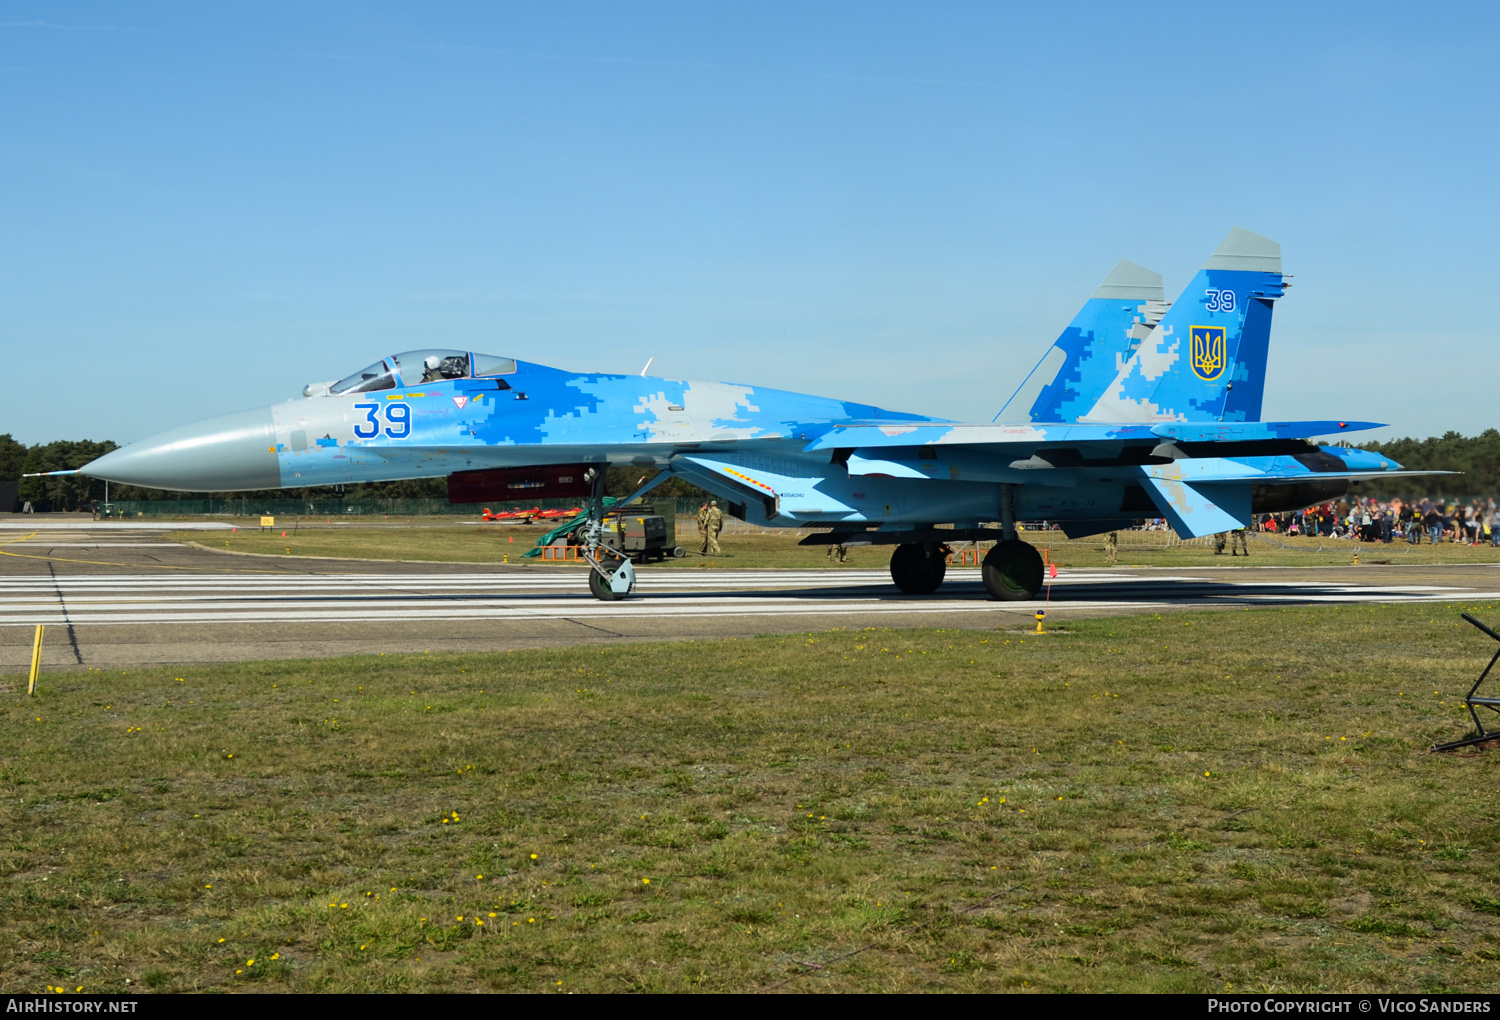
column 1206, row 358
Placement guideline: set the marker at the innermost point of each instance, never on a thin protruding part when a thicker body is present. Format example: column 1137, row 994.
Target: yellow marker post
column 1041, row 614
column 36, row 659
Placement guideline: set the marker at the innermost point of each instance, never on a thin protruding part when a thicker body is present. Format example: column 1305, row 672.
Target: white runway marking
column 121, row 599
column 92, row 525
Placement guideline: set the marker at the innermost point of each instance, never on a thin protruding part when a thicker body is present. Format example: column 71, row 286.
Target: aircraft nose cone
column 232, row 451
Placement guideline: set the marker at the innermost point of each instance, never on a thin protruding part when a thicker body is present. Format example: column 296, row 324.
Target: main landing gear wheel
column 918, row 568
column 1013, row 572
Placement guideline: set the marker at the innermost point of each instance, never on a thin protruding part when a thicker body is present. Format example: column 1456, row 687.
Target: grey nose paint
column 232, row 451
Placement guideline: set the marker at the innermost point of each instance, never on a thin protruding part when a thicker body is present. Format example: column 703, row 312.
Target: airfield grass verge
column 747, row 548
column 1191, row 802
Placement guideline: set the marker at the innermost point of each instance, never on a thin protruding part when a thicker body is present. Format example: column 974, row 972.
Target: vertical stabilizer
column 1077, row 368
column 1206, row 359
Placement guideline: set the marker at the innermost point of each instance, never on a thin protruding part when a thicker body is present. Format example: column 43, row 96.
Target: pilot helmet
column 432, row 362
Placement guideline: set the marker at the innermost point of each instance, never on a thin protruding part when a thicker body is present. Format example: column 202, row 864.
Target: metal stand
column 1471, row 700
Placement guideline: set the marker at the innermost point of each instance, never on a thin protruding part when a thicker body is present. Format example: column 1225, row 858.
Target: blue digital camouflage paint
column 1085, row 359
column 1136, row 411
column 1212, row 340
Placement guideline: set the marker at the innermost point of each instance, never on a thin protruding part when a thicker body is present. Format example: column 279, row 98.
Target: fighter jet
column 1139, row 409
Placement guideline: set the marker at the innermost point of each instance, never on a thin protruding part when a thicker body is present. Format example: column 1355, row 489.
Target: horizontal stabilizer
column 1206, row 508
column 1348, row 476
column 1218, row 432
column 916, row 433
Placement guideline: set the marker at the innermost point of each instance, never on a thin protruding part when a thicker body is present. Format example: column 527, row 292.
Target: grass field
column 1237, row 800
column 743, row 549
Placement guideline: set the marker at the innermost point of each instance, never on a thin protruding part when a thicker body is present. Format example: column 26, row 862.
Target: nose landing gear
column 611, row 574
column 610, row 579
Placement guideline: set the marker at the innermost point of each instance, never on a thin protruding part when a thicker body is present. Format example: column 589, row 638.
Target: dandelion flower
column 275, row 956
column 645, row 881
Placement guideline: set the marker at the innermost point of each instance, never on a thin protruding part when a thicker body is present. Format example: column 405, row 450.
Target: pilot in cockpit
column 436, row 369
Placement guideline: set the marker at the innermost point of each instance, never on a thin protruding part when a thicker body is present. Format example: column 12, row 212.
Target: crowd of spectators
column 1370, row 520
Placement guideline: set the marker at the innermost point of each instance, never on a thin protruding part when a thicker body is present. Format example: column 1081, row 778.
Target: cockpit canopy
column 413, row 368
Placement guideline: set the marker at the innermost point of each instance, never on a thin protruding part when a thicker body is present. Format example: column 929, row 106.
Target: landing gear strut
column 611, row 576
column 918, row 567
column 1013, row 571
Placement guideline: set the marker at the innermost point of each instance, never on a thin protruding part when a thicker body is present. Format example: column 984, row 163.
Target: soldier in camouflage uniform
column 715, row 524
column 1219, row 542
column 1112, row 548
column 702, row 529
column 1237, row 541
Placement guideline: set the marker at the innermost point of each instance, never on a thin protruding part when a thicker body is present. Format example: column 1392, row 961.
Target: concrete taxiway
column 118, row 597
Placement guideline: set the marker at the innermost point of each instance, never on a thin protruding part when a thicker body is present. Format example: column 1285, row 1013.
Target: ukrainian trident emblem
column 1206, row 350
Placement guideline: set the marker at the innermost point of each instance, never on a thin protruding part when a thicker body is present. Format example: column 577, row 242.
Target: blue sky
column 208, row 205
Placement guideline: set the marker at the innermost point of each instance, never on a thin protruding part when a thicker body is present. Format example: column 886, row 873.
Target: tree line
column 72, row 492
column 1476, row 457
